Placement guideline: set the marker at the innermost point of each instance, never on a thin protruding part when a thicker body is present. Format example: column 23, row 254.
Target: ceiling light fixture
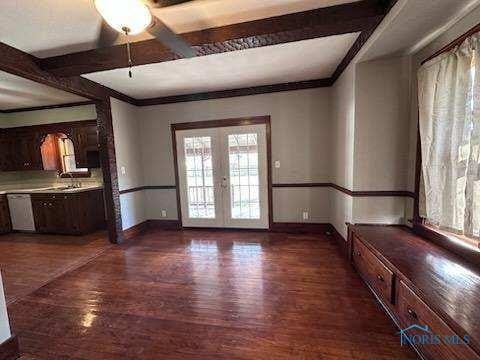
column 129, row 17
column 125, row 16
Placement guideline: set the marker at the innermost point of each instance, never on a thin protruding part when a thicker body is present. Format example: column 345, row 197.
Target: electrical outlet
column 164, row 213
column 123, row 170
column 305, row 215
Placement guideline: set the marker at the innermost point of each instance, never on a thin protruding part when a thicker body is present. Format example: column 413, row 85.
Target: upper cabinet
column 50, row 147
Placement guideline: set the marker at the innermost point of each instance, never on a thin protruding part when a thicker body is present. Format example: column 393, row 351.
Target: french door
column 223, row 176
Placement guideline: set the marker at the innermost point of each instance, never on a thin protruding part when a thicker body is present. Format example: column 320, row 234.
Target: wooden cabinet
column 20, row 148
column 27, row 151
column 413, row 311
column 373, row 271
column 5, row 223
column 74, row 213
column 430, row 293
column 7, row 153
column 85, row 141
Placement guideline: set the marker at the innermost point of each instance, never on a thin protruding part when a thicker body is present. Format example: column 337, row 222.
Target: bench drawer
column 373, row 271
column 413, row 311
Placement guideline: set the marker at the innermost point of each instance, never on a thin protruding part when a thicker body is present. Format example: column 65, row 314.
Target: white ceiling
column 415, row 24
column 296, row 61
column 52, row 27
column 17, row 92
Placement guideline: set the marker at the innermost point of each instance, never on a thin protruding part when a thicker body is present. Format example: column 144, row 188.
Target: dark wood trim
column 135, row 231
column 255, row 120
column 53, row 127
column 361, row 41
column 321, row 22
column 17, row 62
column 109, row 170
column 255, row 90
column 302, row 228
column 10, row 349
column 47, row 107
column 387, row 193
column 141, row 188
column 177, row 180
column 297, row 185
column 164, row 224
column 450, row 46
column 301, row 185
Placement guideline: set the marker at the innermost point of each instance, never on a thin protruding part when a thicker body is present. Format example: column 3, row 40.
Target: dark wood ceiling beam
column 334, row 20
column 17, row 62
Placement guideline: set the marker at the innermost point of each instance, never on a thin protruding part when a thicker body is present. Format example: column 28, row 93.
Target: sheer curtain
column 449, row 120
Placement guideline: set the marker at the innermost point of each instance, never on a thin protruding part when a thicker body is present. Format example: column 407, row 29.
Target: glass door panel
column 199, row 170
column 200, row 193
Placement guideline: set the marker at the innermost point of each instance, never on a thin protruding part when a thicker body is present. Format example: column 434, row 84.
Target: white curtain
column 449, row 113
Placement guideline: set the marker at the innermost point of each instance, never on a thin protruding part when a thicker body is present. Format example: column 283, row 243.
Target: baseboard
column 285, row 227
column 302, row 228
column 341, row 242
column 164, row 224
column 134, row 231
column 10, row 349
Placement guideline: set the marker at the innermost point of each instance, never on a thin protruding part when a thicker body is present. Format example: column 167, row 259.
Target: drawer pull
column 380, row 278
column 412, row 313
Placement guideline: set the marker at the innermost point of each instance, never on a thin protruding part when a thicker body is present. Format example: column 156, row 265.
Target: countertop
column 50, row 190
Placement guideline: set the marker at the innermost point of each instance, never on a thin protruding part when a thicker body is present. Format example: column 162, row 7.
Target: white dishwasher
column 21, row 212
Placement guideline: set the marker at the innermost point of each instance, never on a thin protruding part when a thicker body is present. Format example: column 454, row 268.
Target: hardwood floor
column 208, row 295
column 28, row 261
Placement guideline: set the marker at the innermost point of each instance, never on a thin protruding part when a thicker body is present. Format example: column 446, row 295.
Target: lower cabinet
column 421, row 327
column 5, row 223
column 69, row 214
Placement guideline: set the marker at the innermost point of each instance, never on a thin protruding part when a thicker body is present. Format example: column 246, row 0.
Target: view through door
column 223, row 177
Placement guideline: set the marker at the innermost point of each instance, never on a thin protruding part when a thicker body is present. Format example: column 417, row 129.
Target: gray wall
column 301, row 141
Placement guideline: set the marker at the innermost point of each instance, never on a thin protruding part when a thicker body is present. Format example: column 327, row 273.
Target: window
column 449, row 124
column 67, row 153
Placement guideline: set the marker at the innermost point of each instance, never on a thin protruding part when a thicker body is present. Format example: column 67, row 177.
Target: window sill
column 80, row 174
column 457, row 245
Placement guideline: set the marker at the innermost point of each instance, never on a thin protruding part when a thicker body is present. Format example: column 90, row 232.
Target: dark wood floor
column 28, row 261
column 208, row 295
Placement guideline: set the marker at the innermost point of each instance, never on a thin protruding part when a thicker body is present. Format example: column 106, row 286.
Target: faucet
column 72, row 184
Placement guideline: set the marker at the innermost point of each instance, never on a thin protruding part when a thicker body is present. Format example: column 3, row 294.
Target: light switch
column 277, row 164
column 164, row 213
column 305, row 215
column 123, row 170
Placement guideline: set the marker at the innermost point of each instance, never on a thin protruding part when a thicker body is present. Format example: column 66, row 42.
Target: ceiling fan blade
column 167, row 37
column 165, row 3
column 107, row 36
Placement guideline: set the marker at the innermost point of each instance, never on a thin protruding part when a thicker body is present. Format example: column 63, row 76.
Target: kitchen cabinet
column 71, row 214
column 20, row 148
column 27, row 152
column 5, row 223
column 7, row 153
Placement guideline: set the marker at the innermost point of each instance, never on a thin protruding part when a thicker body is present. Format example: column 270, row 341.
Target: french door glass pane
column 244, row 177
column 198, row 164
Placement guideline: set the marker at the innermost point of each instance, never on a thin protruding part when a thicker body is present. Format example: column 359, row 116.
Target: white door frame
column 222, row 124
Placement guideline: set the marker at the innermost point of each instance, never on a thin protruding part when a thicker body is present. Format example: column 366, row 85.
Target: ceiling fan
column 132, row 17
